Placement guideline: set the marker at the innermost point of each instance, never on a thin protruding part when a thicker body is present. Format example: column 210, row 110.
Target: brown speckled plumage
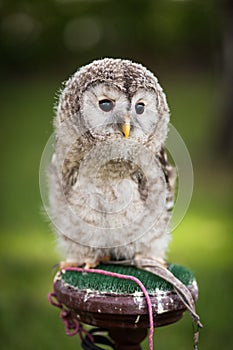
column 106, row 190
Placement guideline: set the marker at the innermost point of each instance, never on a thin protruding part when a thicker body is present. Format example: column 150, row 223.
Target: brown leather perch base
column 111, row 310
column 125, row 316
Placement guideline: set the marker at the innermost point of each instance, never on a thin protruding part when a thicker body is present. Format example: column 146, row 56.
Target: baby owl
column 110, row 185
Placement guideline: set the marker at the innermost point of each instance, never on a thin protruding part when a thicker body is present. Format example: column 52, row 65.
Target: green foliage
column 45, row 33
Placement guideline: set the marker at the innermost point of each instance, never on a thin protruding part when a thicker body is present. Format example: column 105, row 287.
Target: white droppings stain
column 137, row 319
column 159, row 292
column 137, row 294
column 89, row 294
column 138, row 299
column 57, row 277
column 99, row 311
column 160, row 295
column 160, row 307
column 85, row 298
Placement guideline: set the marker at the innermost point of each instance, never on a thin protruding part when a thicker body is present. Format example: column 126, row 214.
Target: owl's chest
column 115, row 170
column 108, row 193
column 120, row 178
column 115, row 193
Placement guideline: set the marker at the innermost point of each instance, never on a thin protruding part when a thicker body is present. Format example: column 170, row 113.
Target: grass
column 202, row 242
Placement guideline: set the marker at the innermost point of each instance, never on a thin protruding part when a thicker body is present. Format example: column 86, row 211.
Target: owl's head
column 115, row 98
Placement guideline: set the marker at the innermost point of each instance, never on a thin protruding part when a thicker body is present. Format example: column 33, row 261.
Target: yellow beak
column 125, row 127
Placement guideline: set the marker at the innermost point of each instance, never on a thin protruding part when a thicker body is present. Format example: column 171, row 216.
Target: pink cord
column 72, row 326
column 126, row 277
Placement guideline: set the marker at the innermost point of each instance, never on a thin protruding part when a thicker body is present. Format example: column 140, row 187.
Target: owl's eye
column 106, row 105
column 139, row 107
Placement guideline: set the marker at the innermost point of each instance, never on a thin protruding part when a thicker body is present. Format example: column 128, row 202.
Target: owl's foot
column 92, row 265
column 66, row 264
column 88, row 264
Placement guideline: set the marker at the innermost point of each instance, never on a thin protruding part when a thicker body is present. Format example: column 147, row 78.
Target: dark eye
column 139, row 107
column 106, row 105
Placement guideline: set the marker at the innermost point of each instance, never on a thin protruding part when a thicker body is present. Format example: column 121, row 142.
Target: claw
column 92, row 265
column 86, row 265
column 66, row 264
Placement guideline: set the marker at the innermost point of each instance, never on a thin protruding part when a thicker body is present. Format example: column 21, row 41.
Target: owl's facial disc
column 109, row 113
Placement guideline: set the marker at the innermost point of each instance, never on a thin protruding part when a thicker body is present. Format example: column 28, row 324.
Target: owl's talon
column 87, row 266
column 66, row 264
column 92, row 265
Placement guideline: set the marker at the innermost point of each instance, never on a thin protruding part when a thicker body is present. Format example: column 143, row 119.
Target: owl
column 110, row 184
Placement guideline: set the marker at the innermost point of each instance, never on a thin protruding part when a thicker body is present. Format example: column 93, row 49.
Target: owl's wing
column 170, row 177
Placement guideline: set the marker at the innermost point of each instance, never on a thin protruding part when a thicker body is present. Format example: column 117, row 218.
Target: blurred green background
column 188, row 45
